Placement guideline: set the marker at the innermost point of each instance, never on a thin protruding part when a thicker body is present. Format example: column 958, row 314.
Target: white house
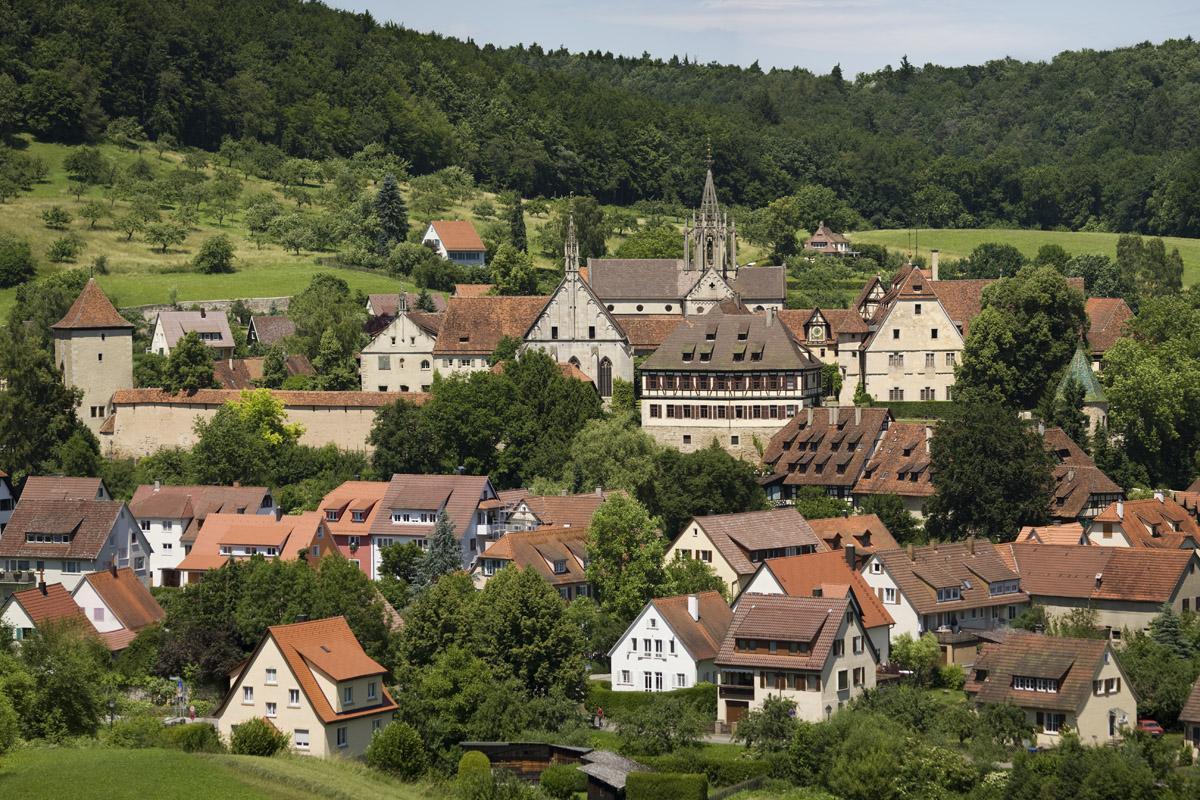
column 400, row 357
column 118, row 605
column 25, row 611
column 457, row 241
column 671, row 644
column 313, row 681
column 7, row 503
column 213, row 330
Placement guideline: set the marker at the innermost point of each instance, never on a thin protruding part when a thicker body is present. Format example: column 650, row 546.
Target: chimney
column 157, row 485
column 1070, row 475
column 694, row 606
column 1158, row 495
column 42, row 581
column 599, row 491
column 857, row 416
column 933, row 264
column 971, row 545
column 1120, row 510
column 1099, row 579
column 849, row 550
column 112, row 567
column 237, row 484
column 833, row 416
column 912, row 556
column 770, row 316
column 809, row 415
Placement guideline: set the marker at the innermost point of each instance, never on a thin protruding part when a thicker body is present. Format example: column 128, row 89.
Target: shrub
column 669, row 724
column 952, row 676
column 257, row 737
column 16, row 261
column 64, row 248
column 474, row 775
column 135, row 733
column 398, row 750
column 703, row 696
column 216, row 256
column 562, row 781
column 9, row 724
column 195, row 737
column 720, row 771
column 666, row 786
column 56, row 218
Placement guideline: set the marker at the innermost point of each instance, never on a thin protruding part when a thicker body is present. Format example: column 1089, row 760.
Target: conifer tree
column 332, row 366
column 425, row 301
column 444, row 555
column 391, row 213
column 516, row 225
column 274, row 368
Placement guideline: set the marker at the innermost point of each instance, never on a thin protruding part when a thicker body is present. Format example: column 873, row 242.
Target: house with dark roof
column 236, row 537
column 1189, row 717
column 962, row 592
column 671, row 644
column 1081, row 489
column 1125, row 587
column 29, row 609
column 1107, row 321
column 171, row 517
column 826, row 241
column 1156, row 522
column 556, row 553
column 1060, row 684
column 313, row 682
column 832, row 574
column 472, row 328
column 823, row 447
column 900, row 466
column 246, row 373
column 456, row 240
column 118, row 605
column 268, row 330
column 93, row 348
column 212, row 328
column 412, row 503
column 813, row 651
column 62, row 487
column 866, row 533
column 529, row 512
column 727, row 375
column 735, row 544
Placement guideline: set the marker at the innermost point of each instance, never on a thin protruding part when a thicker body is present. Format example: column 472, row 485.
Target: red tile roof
column 92, row 309
column 899, row 465
column 216, row 397
column 1154, row 522
column 1107, row 318
column 194, row 503
column 351, row 496
column 865, row 531
column 829, row 573
column 1072, row 662
column 243, row 373
column 458, row 235
column 568, row 511
column 471, row 289
column 39, row 487
column 1066, row 533
column 921, row 571
column 701, row 637
column 474, row 326
column 647, row 331
column 289, row 535
column 825, row 446
column 55, row 604
column 737, row 536
column 812, row 621
column 540, row 549
column 1130, row 574
column 126, row 597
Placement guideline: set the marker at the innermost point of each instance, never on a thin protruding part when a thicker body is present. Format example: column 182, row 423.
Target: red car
column 1151, row 727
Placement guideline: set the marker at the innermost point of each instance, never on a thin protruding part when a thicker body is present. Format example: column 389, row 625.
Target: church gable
column 574, row 312
column 710, row 287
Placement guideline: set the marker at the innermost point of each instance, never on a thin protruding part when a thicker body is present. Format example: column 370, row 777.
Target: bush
column 216, row 256
column 9, row 724
column 720, row 771
column 64, row 248
column 665, row 786
column 703, row 696
column 56, row 218
column 16, row 261
column 562, row 781
column 257, row 737
column 474, row 775
column 135, row 733
column 398, row 750
column 914, row 409
column 952, row 676
column 195, row 737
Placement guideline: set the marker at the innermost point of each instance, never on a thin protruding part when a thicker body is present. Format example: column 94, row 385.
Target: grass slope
column 54, row 773
column 958, row 243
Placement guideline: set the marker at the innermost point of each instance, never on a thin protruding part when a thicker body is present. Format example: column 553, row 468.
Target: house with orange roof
column 558, row 554
column 1107, row 321
column 1059, row 533
column 314, row 682
column 832, row 574
column 1159, row 522
column 411, row 505
column 226, row 537
column 472, row 328
column 866, row 533
column 456, row 240
column 349, row 512
column 118, row 605
column 27, row 610
column 671, row 644
column 565, row 511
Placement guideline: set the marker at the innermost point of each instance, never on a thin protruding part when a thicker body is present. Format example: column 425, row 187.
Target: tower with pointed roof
column 93, row 348
column 710, row 238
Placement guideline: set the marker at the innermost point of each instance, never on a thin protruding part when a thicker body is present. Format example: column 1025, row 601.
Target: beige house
column 813, row 651
column 1158, row 522
column 212, row 328
column 93, row 348
column 1060, row 684
column 1190, row 718
column 312, row 681
column 400, row 357
column 473, row 327
column 735, row 544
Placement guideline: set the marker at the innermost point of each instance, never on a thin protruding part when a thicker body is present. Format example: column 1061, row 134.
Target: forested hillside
column 1091, row 140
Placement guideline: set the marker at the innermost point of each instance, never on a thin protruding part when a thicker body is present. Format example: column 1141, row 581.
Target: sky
column 861, row 35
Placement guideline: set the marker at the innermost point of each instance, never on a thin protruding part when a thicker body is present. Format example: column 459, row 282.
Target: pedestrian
column 192, row 712
column 600, row 716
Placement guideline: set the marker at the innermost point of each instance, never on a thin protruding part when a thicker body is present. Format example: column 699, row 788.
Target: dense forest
column 1090, row 140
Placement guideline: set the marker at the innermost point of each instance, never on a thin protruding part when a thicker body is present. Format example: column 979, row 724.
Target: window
column 843, row 680
column 99, row 356
column 859, row 676
column 71, row 567
column 680, row 680
column 553, row 331
column 687, row 438
column 247, row 695
column 929, row 360
column 385, row 362
column 272, row 677
column 895, row 333
column 348, row 695
column 332, row 515
column 625, row 677
column 139, row 564
column 98, row 614
column 889, row 596
column 951, row 358
column 895, row 359
column 271, row 709
column 376, row 724
column 341, row 736
column 839, row 647
column 293, row 698
column 928, row 393
column 591, row 331
column 145, row 524
column 167, row 546
column 1050, row 722
column 933, row 333
column 1024, row 683
column 560, row 566
column 300, row 738
column 658, row 681
column 648, row 681
column 949, row 594
column 372, row 691
column 605, row 377
column 896, row 394
column 858, row 644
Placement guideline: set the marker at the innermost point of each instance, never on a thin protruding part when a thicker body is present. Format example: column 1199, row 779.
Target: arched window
column 425, row 364
column 605, row 378
column 573, row 361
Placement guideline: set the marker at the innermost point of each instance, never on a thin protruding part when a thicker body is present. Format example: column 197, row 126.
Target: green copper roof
column 1081, row 370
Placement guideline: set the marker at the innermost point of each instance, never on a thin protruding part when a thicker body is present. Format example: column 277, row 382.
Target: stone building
column 400, row 357
column 93, row 347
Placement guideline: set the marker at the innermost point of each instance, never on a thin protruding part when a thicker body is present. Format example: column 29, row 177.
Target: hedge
column 600, row 694
column 720, row 771
column 917, row 409
column 665, row 786
column 562, row 781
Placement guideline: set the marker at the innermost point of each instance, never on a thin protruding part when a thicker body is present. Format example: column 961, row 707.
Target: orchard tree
column 164, row 234
column 189, row 366
column 216, row 255
column 652, row 241
column 625, row 554
column 16, row 261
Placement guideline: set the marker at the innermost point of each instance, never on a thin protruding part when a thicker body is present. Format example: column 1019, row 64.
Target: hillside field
column 956, row 244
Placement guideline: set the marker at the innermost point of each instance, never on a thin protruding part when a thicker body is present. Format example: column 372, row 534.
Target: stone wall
column 702, row 436
column 258, row 305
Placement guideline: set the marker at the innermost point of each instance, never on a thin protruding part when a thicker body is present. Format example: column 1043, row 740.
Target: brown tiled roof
column 567, row 511
column 458, row 235
column 388, row 305
column 837, row 321
column 736, row 536
column 539, row 549
column 865, row 292
column 1072, row 662
column 702, row 637
column 1189, row 500
column 1131, row 574
column 126, row 597
column 472, row 289
column 39, row 487
column 175, row 324
column 653, row 279
column 195, row 503
column 1076, row 477
column 351, row 496
column 825, row 233
column 765, row 617
column 272, row 329
column 460, row 495
column 92, row 309
column 55, row 604
column 1191, row 708
column 475, row 325
column 825, row 446
column 216, row 397
column 647, row 331
column 88, row 522
column 241, row 373
column 760, row 283
column 119, row 639
column 902, row 451
column 1107, row 317
column 733, row 334
column 829, row 573
column 1064, row 533
column 1154, row 523
column 950, row 565
column 289, row 534
column 865, row 531
column 962, row 299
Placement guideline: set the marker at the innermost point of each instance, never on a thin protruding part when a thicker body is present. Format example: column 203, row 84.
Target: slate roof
column 474, row 326
column 1107, row 318
column 92, row 309
column 126, row 597
column 653, row 279
column 762, row 617
column 55, row 604
column 90, row 522
column 801, row 576
column 865, row 531
column 1072, row 662
column 1140, row 575
column 825, row 446
column 725, row 337
column 177, row 323
column 609, row 768
column 539, row 549
column 194, row 503
column 902, row 452
column 216, row 397
column 760, row 283
column 1064, row 533
column 921, row 571
column 1191, row 708
column 647, row 331
column 736, row 536
column 39, row 487
column 457, row 235
column 460, row 495
column 241, row 373
column 272, row 329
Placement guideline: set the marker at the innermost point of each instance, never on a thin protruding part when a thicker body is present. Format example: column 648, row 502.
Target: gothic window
column 573, row 361
column 605, row 377
column 709, row 249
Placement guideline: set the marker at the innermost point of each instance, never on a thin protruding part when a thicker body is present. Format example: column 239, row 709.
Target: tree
column 1066, row 411
column 663, row 725
column 128, row 224
column 243, row 441
column 257, row 737
column 445, row 553
column 79, row 455
column 390, row 213
column 1160, row 678
column 769, row 729
column 513, row 272
column 189, row 365
column 68, row 665
column 334, row 370
column 442, row 617
column 403, row 442
column 164, row 234
column 42, row 302
column 327, row 304
column 1052, row 255
column 274, row 367
column 691, row 576
column 992, row 473
column 613, row 453
column 216, row 256
column 425, row 301
column 919, row 656
column 625, row 553
column 88, row 165
column 93, row 211
column 652, row 241
column 992, row 260
column 591, row 229
column 56, row 218
column 1155, row 271
column 516, row 224
column 904, row 527
column 1102, row 277
column 398, row 750
column 291, row 231
column 16, row 261
column 707, row 481
column 813, row 503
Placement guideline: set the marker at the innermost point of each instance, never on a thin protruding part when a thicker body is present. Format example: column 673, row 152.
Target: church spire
column 571, row 247
column 708, row 201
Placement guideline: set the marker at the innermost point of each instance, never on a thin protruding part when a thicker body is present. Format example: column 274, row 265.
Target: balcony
column 18, row 577
column 735, row 692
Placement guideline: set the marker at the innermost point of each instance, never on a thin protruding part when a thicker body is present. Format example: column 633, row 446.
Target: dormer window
column 949, row 594
column 357, row 516
column 332, row 515
column 560, row 566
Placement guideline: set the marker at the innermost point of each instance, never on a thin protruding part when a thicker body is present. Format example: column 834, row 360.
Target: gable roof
column 1157, row 521
column 457, row 234
column 775, row 617
column 1107, row 318
column 472, row 289
column 126, row 597
column 40, row 487
column 736, row 536
column 460, row 495
column 727, row 336
column 88, row 523
column 837, row 321
column 195, row 503
column 272, row 329
column 652, row 279
column 1076, row 476
column 865, row 531
column 1072, row 662
column 701, row 637
column 968, row 566
column 1191, row 708
column 647, row 331
column 243, row 373
column 540, row 549
column 1139, row 575
column 92, row 309
column 760, row 283
column 825, row 446
column 388, row 305
column 832, row 576
column 475, row 325
column 1060, row 533
column 55, row 604
column 901, row 452
column 825, row 233
column 566, row 511
column 362, row 496
column 175, row 324
column 288, row 535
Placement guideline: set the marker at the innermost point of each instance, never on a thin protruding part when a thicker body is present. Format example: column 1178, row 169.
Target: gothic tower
column 93, row 347
column 710, row 240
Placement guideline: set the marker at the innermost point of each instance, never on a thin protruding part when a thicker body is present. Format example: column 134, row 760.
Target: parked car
column 1151, row 727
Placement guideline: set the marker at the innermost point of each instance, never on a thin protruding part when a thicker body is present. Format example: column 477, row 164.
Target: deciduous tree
column 625, row 554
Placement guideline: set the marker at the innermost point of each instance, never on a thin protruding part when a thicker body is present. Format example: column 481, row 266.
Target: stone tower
column 93, row 348
column 710, row 239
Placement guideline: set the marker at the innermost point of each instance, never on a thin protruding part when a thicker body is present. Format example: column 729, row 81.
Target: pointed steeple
column 92, row 309
column 571, row 247
column 709, row 209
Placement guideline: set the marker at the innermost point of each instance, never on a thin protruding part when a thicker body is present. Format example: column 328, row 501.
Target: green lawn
column 47, row 773
column 959, row 243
